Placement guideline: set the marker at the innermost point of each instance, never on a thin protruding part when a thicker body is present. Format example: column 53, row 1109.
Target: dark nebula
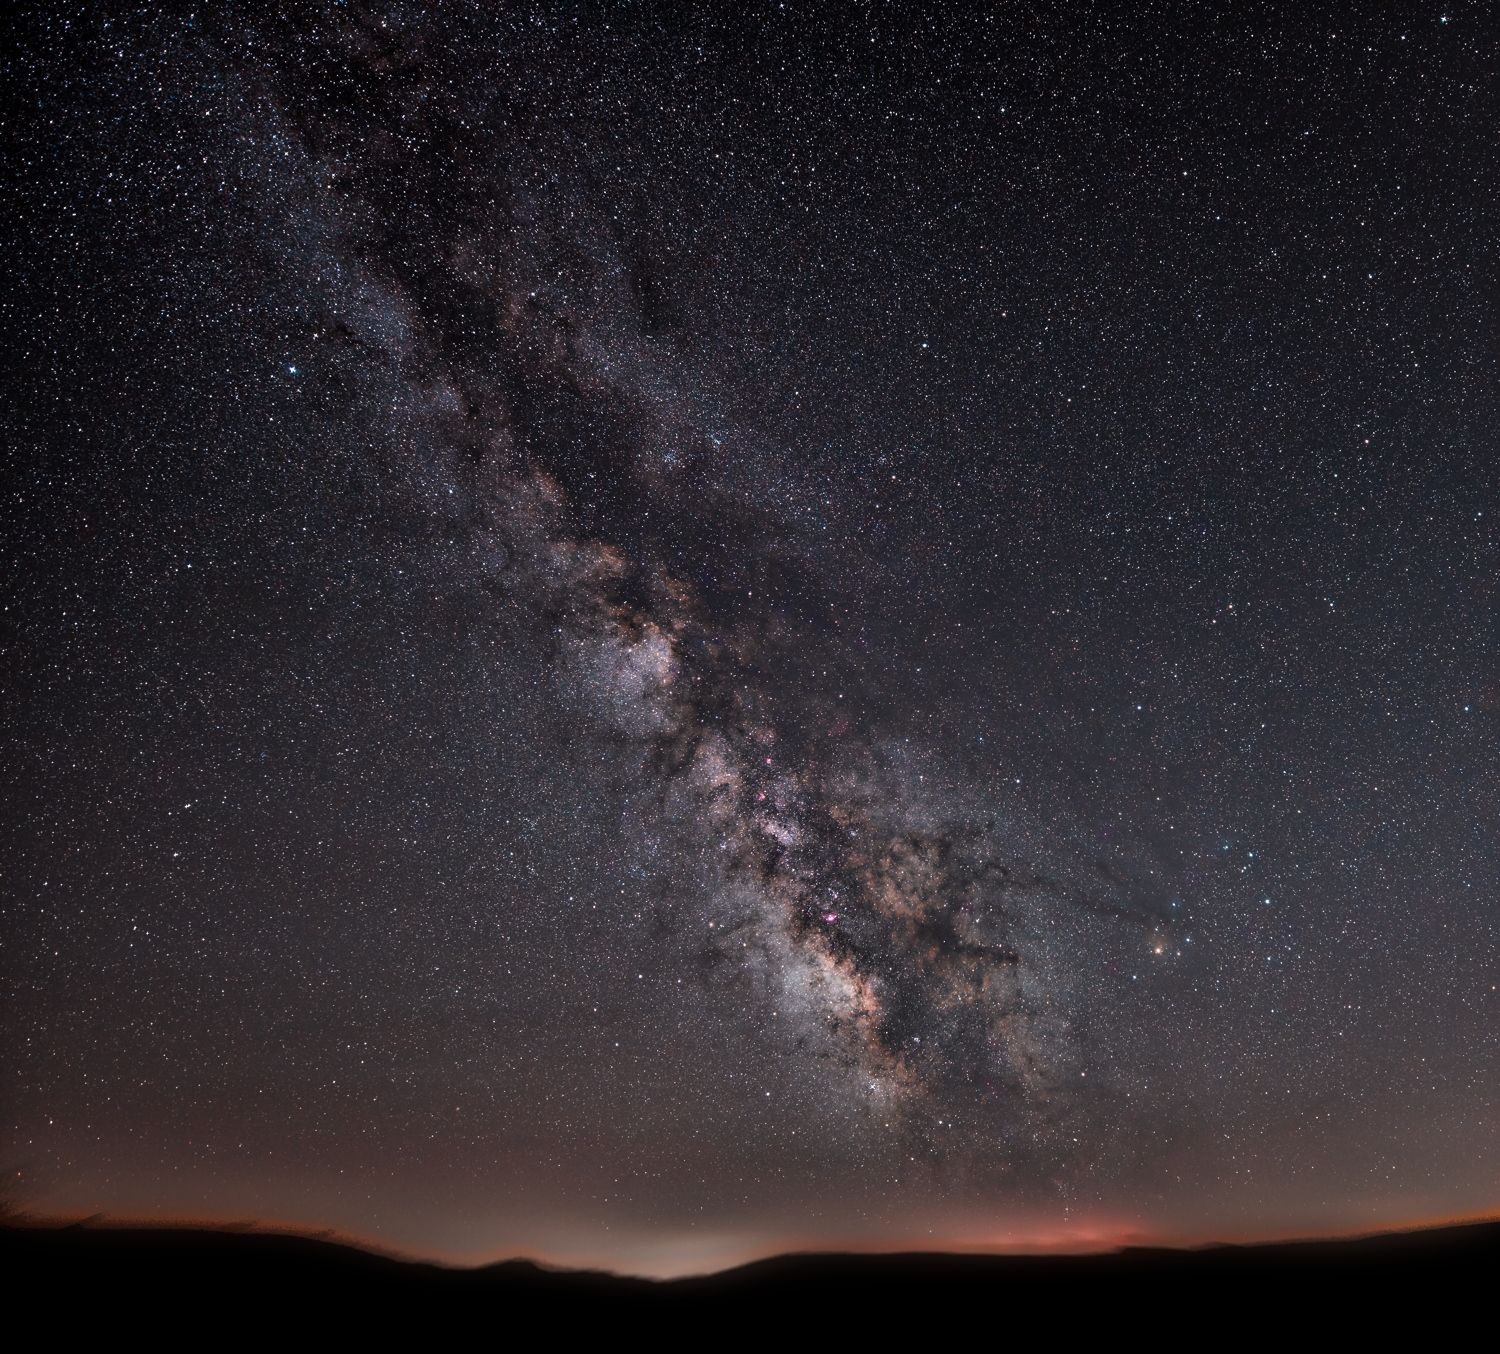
column 647, row 634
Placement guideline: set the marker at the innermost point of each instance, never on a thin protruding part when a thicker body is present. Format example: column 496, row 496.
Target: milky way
column 650, row 637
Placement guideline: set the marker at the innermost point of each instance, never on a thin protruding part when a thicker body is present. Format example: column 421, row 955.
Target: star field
column 645, row 634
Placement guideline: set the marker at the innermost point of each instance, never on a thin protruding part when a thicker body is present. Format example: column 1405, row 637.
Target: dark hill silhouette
column 221, row 1286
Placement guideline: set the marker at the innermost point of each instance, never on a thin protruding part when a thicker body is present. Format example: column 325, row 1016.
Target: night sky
column 643, row 634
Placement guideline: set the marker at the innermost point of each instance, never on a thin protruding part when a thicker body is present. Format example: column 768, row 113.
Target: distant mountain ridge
column 196, row 1281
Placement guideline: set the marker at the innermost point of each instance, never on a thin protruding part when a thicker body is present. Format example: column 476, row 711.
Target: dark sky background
column 642, row 634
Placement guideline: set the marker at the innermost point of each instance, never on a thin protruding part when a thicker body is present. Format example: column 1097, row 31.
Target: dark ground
column 222, row 1285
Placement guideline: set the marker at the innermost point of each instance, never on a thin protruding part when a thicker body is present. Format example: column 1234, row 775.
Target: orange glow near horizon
column 686, row 1255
